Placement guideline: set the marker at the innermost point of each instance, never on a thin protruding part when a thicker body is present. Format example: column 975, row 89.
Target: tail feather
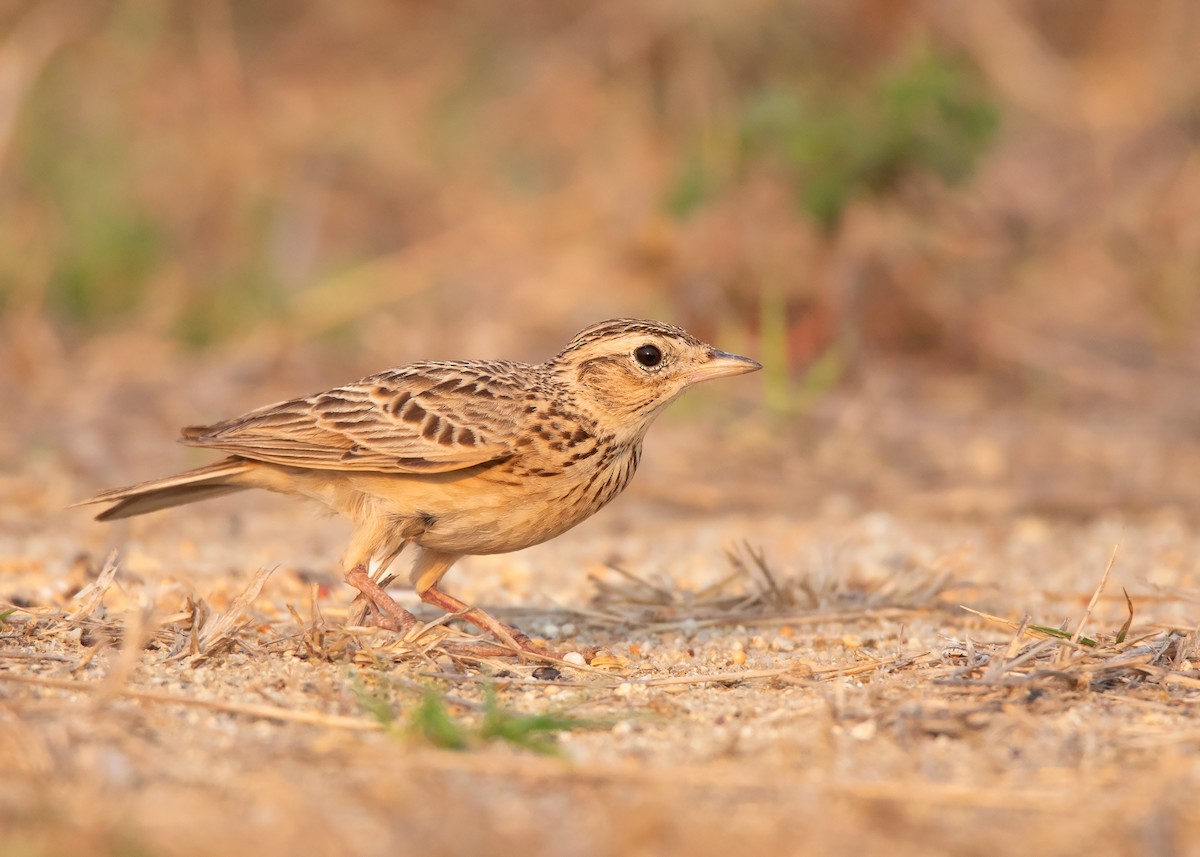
column 203, row 483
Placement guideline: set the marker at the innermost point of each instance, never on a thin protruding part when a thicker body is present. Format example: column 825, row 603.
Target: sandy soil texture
column 781, row 661
column 927, row 584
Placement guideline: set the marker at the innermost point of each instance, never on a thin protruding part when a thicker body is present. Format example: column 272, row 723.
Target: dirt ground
column 783, row 661
column 869, row 600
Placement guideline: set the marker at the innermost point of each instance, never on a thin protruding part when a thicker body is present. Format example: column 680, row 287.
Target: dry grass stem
column 221, row 631
column 1087, row 614
column 91, row 597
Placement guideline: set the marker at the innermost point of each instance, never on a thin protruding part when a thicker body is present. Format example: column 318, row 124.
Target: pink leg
column 388, row 614
column 504, row 633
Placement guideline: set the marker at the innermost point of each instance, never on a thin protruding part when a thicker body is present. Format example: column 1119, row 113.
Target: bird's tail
column 203, row 483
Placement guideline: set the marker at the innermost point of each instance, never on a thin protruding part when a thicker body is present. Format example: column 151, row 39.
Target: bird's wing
column 423, row 418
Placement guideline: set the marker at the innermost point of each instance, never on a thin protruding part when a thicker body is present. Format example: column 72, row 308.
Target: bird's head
column 628, row 369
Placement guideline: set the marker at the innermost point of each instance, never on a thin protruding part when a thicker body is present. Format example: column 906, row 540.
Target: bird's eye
column 648, row 355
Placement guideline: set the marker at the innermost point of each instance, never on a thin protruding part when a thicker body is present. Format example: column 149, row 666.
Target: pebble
column 864, row 731
column 575, row 658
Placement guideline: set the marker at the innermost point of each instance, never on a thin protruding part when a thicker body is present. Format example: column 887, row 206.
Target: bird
column 456, row 458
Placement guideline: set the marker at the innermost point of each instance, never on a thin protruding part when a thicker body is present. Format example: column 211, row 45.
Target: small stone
column 604, row 659
column 802, row 669
column 547, row 674
column 575, row 658
column 864, row 731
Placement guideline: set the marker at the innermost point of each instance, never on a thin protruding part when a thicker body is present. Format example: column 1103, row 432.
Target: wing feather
column 423, row 418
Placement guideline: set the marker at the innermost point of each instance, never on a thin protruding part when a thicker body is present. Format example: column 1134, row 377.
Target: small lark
column 457, row 458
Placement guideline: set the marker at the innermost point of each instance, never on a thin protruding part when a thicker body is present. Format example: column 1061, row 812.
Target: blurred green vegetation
column 924, row 112
column 87, row 162
column 432, row 722
column 201, row 172
column 928, row 113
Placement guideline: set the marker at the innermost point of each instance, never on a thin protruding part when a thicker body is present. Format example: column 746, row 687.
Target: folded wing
column 424, row 418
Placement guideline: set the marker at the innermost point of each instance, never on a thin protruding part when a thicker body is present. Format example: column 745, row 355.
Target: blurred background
column 964, row 238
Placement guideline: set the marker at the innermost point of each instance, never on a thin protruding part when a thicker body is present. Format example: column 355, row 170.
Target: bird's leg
column 504, row 633
column 361, row 607
column 427, row 571
column 388, row 614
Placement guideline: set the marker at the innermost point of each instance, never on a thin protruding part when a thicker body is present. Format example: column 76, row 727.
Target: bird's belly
column 493, row 531
column 490, row 521
column 486, row 511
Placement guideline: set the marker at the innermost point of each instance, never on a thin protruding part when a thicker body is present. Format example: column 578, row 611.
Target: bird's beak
column 720, row 364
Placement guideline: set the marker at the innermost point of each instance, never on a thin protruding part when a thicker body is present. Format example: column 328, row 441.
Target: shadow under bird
column 454, row 457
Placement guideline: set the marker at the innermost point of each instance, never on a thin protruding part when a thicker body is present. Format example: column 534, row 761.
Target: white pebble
column 575, row 658
column 864, row 731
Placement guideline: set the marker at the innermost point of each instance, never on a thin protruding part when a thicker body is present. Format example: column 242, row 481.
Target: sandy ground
column 839, row 701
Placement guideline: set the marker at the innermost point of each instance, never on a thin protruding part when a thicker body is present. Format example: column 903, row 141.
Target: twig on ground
column 92, row 596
